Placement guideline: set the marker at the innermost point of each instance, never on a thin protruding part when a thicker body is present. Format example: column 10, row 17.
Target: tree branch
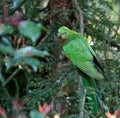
column 81, row 94
column 11, row 76
column 81, row 23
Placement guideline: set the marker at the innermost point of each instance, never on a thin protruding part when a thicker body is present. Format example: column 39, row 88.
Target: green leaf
column 16, row 3
column 6, row 49
column 30, row 29
column 10, row 62
column 36, row 114
column 33, row 62
column 5, row 40
column 28, row 52
column 5, row 29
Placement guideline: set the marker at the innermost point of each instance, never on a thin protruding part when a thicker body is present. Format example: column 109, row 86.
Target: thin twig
column 11, row 76
column 43, row 39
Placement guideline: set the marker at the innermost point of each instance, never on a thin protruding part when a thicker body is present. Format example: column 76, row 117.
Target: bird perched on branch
column 80, row 53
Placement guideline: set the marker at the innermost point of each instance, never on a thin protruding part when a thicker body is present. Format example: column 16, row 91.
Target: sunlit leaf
column 56, row 116
column 6, row 49
column 33, row 62
column 29, row 51
column 62, row 93
column 5, row 29
column 36, row 114
column 30, row 29
column 16, row 3
column 6, row 40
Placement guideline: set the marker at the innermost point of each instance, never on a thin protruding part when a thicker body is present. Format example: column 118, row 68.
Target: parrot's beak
column 59, row 35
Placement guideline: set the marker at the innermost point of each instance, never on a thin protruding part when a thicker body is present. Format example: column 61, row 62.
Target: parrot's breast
column 77, row 49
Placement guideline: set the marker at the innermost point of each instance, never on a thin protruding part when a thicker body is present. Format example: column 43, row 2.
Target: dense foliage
column 33, row 68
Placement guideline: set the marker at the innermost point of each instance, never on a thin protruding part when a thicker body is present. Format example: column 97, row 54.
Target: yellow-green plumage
column 79, row 52
column 77, row 49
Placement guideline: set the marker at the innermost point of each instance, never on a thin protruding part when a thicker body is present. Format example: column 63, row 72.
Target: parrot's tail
column 91, row 95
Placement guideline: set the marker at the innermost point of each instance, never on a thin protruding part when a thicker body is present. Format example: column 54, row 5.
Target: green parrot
column 80, row 53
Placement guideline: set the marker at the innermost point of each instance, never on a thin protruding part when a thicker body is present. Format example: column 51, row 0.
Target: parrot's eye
column 65, row 32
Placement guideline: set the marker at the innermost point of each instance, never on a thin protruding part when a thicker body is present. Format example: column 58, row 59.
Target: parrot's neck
column 63, row 42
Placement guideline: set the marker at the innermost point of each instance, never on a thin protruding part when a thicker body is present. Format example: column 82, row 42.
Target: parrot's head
column 66, row 34
column 63, row 33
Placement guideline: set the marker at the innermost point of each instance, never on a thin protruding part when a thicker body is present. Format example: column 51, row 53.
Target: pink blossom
column 2, row 112
column 115, row 115
column 45, row 109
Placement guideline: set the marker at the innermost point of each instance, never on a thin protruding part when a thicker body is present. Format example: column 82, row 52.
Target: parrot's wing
column 80, row 55
column 95, row 58
column 88, row 68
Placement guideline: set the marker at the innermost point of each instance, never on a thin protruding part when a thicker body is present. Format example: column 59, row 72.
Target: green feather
column 89, row 83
